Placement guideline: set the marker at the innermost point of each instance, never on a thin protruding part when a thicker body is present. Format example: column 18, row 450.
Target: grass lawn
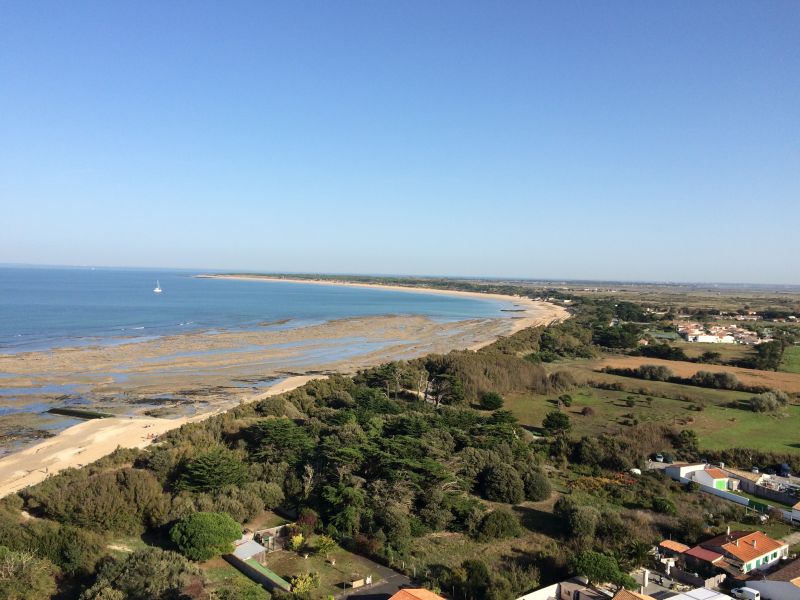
column 348, row 567
column 726, row 351
column 791, row 360
column 763, row 500
column 717, row 426
column 265, row 520
column 774, row 529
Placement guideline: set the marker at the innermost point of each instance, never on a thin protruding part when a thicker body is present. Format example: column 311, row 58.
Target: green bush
column 204, row 535
column 499, row 524
column 491, row 401
column 502, row 483
column 212, row 471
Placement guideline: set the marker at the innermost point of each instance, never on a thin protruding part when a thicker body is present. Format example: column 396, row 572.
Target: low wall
column 259, row 574
column 694, row 580
column 546, row 593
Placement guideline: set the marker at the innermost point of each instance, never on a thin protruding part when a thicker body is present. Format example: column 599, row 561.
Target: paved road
column 390, row 583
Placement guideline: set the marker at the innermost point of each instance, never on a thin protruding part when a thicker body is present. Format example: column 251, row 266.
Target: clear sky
column 635, row 140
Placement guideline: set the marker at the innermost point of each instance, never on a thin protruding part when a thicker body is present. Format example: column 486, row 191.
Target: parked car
column 746, row 593
column 784, row 470
column 754, row 469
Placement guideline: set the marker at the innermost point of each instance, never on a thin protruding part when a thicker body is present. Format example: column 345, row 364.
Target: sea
column 46, row 308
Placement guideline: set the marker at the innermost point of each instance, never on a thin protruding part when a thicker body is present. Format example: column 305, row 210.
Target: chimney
column 754, row 543
column 728, row 532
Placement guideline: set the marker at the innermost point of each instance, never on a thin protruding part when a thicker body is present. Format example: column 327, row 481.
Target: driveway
column 388, row 584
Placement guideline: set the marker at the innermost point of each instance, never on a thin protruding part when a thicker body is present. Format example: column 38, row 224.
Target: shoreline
column 89, row 441
column 530, row 316
column 86, row 442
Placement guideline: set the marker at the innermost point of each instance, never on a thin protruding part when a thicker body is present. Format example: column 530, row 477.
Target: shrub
column 588, row 411
column 664, row 505
column 204, row 535
column 147, row 574
column 502, row 483
column 556, row 422
column 537, row 486
column 499, row 524
column 25, row 577
column 491, row 401
column 768, row 401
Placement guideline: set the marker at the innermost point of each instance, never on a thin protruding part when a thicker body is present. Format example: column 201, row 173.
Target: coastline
column 89, row 441
column 227, row 357
column 536, row 312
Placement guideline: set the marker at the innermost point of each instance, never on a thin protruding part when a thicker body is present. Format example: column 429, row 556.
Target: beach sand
column 91, row 440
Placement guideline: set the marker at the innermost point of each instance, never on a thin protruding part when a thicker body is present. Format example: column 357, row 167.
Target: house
column 796, row 512
column 575, row 588
column 629, row 595
column 701, row 560
column 672, row 548
column 713, row 477
column 701, row 594
column 247, row 556
column 680, row 471
column 748, row 550
column 415, row 594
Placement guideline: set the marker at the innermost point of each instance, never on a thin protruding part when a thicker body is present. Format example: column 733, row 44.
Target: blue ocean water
column 42, row 308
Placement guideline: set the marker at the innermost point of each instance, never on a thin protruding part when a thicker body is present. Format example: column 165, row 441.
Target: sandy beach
column 534, row 312
column 91, row 440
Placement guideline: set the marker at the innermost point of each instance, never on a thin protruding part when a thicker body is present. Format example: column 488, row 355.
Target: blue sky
column 602, row 140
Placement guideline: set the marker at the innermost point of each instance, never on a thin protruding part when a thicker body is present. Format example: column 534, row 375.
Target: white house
column 680, row 471
column 748, row 550
column 713, row 477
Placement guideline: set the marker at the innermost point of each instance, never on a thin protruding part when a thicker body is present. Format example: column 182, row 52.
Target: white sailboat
column 157, row 289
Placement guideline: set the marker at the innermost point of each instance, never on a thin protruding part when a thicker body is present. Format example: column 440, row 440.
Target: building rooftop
column 716, row 473
column 629, row 595
column 674, row 546
column 248, row 549
column 701, row 594
column 415, row 594
column 703, row 554
column 752, row 545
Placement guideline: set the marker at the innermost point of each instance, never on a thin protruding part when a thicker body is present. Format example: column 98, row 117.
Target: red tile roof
column 752, row 546
column 415, row 594
column 702, row 554
column 716, row 473
column 674, row 546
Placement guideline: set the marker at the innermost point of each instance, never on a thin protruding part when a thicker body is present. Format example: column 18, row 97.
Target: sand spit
column 91, row 440
column 534, row 312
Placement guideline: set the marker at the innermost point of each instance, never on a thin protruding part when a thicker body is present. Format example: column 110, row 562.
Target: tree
column 24, row 576
column 280, row 440
column 499, row 524
column 148, row 574
column 556, row 423
column 502, row 483
column 212, row 471
column 491, row 401
column 599, row 568
column 305, row 583
column 204, row 535
column 325, row 545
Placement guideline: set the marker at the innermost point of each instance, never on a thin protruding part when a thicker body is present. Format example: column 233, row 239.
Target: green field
column 348, row 566
column 791, row 360
column 717, row 426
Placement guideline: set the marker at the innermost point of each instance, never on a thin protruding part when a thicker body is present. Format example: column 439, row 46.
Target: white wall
column 551, row 591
